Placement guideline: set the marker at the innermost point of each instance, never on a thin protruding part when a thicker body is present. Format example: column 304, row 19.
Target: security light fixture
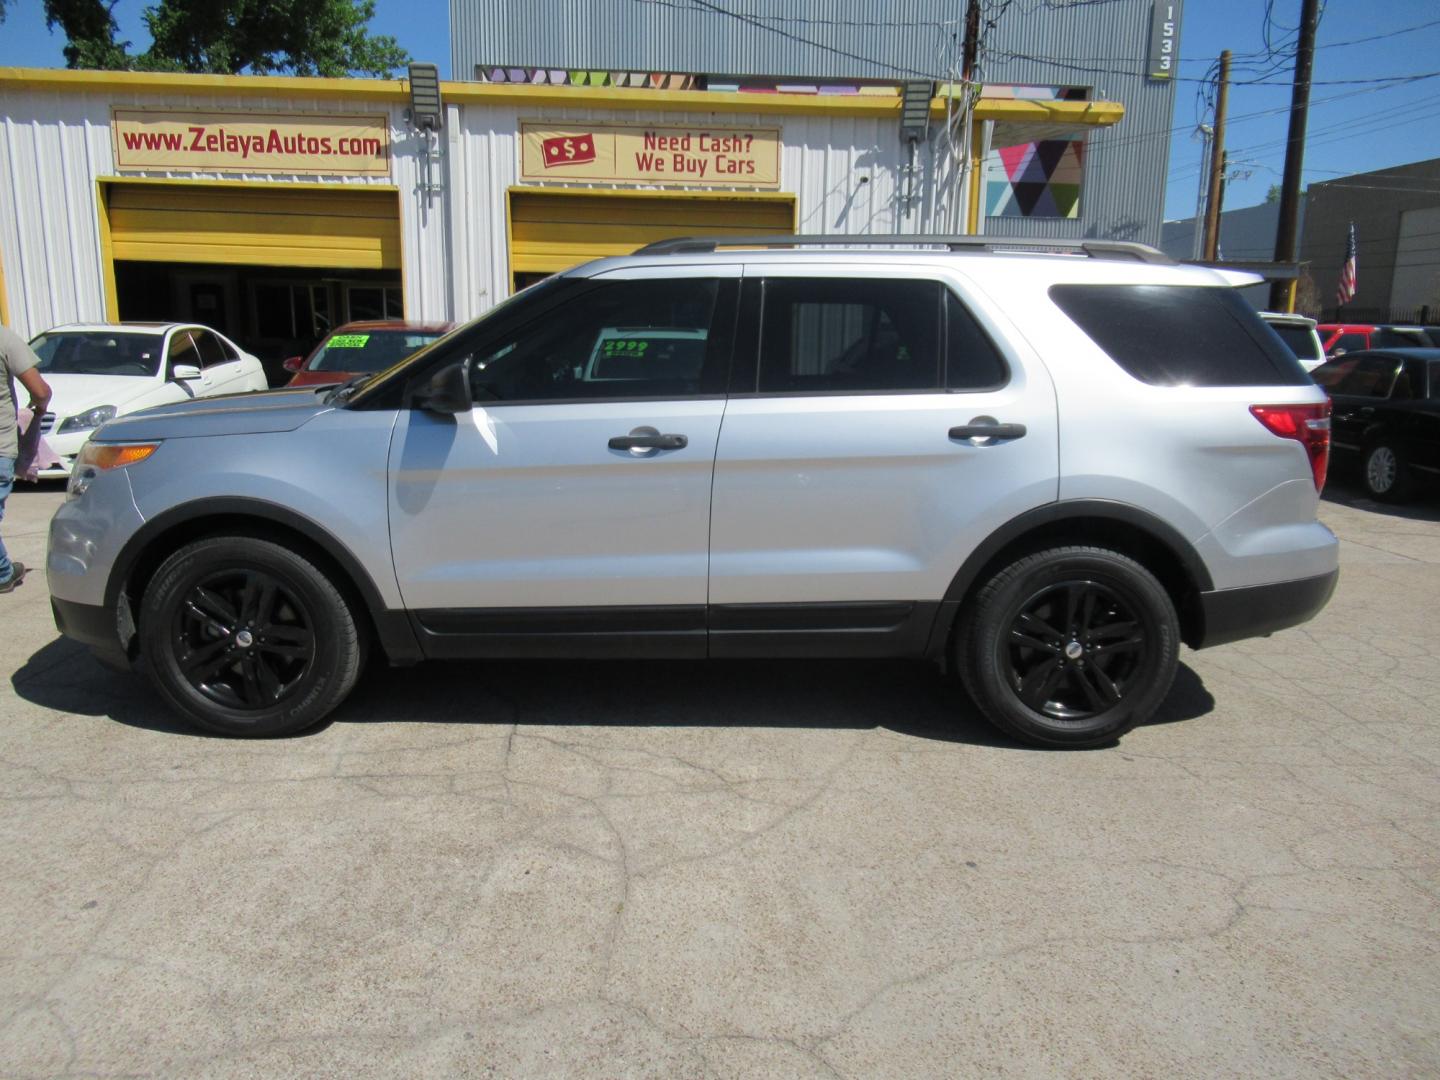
column 915, row 109
column 425, row 110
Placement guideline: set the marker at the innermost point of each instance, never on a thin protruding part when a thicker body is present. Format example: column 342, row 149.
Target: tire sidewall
column 989, row 643
column 173, row 582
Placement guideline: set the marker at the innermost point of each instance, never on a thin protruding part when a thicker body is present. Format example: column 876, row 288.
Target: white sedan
column 99, row 371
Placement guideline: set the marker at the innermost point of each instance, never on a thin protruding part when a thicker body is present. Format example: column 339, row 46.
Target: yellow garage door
column 252, row 226
column 552, row 231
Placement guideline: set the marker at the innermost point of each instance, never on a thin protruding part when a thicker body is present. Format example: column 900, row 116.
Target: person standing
column 17, row 361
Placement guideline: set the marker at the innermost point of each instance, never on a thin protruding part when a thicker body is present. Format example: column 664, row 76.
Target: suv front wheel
column 246, row 637
column 1069, row 647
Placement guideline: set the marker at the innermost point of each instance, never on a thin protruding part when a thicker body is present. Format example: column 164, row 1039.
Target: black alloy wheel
column 243, row 639
column 1074, row 649
column 1068, row 646
column 246, row 636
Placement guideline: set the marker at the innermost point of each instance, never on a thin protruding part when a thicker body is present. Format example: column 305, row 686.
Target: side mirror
column 447, row 391
column 185, row 373
column 293, row 364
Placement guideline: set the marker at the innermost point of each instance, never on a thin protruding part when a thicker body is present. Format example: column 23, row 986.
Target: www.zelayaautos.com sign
column 237, row 142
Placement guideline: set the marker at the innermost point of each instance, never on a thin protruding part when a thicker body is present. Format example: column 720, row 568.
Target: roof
column 155, row 328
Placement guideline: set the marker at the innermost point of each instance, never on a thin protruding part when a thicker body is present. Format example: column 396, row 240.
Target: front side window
column 827, row 335
column 618, row 340
column 1372, row 377
column 183, row 350
column 1349, row 343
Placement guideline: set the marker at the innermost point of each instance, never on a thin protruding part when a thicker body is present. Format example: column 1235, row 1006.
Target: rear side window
column 826, row 335
column 971, row 360
column 1300, row 340
column 1387, row 338
column 1181, row 335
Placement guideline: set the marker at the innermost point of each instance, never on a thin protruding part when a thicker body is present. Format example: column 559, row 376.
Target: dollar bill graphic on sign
column 568, row 150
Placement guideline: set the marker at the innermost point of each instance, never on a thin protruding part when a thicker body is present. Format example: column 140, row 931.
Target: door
column 568, row 512
column 853, row 469
column 1356, row 396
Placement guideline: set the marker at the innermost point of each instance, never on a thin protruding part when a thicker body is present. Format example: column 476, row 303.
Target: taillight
column 1308, row 425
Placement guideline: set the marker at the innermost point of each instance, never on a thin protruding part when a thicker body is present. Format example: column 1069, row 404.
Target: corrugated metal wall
column 1073, row 44
column 875, row 39
column 54, row 146
column 1123, row 197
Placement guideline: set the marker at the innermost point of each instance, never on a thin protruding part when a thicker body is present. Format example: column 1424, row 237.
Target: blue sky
column 1354, row 127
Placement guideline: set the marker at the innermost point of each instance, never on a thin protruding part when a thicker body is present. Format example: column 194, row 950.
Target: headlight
column 90, row 419
column 96, row 458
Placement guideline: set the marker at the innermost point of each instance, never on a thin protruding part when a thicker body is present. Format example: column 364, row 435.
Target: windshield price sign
column 651, row 155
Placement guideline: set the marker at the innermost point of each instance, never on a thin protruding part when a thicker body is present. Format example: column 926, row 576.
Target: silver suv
column 1042, row 465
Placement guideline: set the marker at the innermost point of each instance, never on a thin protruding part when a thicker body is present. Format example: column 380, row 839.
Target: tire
column 1069, row 647
column 1386, row 473
column 245, row 637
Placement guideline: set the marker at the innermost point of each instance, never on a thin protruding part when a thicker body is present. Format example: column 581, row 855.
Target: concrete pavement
column 743, row 869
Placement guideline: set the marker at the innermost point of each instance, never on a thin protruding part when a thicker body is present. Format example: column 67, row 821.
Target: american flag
column 1349, row 273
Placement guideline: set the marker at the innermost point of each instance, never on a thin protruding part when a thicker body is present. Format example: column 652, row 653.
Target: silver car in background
column 1043, row 466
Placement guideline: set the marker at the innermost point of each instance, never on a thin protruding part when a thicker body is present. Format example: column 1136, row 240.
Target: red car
column 361, row 348
column 1339, row 338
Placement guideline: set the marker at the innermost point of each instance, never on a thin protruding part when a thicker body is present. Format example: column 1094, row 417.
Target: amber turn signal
column 115, row 455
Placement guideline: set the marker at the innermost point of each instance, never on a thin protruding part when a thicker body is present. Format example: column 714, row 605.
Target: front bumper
column 93, row 625
column 1259, row 610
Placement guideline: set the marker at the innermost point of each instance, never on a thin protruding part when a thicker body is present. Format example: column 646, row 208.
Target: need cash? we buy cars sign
column 238, row 142
column 651, row 155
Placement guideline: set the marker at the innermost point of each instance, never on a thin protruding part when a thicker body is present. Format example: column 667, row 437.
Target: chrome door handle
column 648, row 442
column 988, row 431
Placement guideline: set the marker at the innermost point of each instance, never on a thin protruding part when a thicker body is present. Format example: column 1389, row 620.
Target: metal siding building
column 1099, row 47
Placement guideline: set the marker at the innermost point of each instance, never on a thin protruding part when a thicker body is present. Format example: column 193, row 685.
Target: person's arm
column 39, row 389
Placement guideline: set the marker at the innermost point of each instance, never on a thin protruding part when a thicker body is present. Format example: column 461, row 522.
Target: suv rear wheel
column 1070, row 647
column 246, row 637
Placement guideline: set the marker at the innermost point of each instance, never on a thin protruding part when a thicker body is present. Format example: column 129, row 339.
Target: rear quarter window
column 1181, row 335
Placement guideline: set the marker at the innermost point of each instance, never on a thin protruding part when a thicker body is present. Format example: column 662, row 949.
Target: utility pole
column 1217, row 163
column 972, row 41
column 1282, row 293
column 1197, row 247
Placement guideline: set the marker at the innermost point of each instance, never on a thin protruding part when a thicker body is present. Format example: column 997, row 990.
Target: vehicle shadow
column 1346, row 489
column 907, row 698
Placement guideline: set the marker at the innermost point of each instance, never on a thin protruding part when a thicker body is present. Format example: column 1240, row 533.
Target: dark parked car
column 1387, row 414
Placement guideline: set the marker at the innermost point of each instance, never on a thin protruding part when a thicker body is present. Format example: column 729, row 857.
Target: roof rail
column 1095, row 249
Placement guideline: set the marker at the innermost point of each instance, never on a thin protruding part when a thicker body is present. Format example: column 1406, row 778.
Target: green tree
column 228, row 37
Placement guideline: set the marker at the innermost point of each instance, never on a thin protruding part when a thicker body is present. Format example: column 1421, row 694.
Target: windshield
column 98, row 352
column 368, row 350
column 1301, row 340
